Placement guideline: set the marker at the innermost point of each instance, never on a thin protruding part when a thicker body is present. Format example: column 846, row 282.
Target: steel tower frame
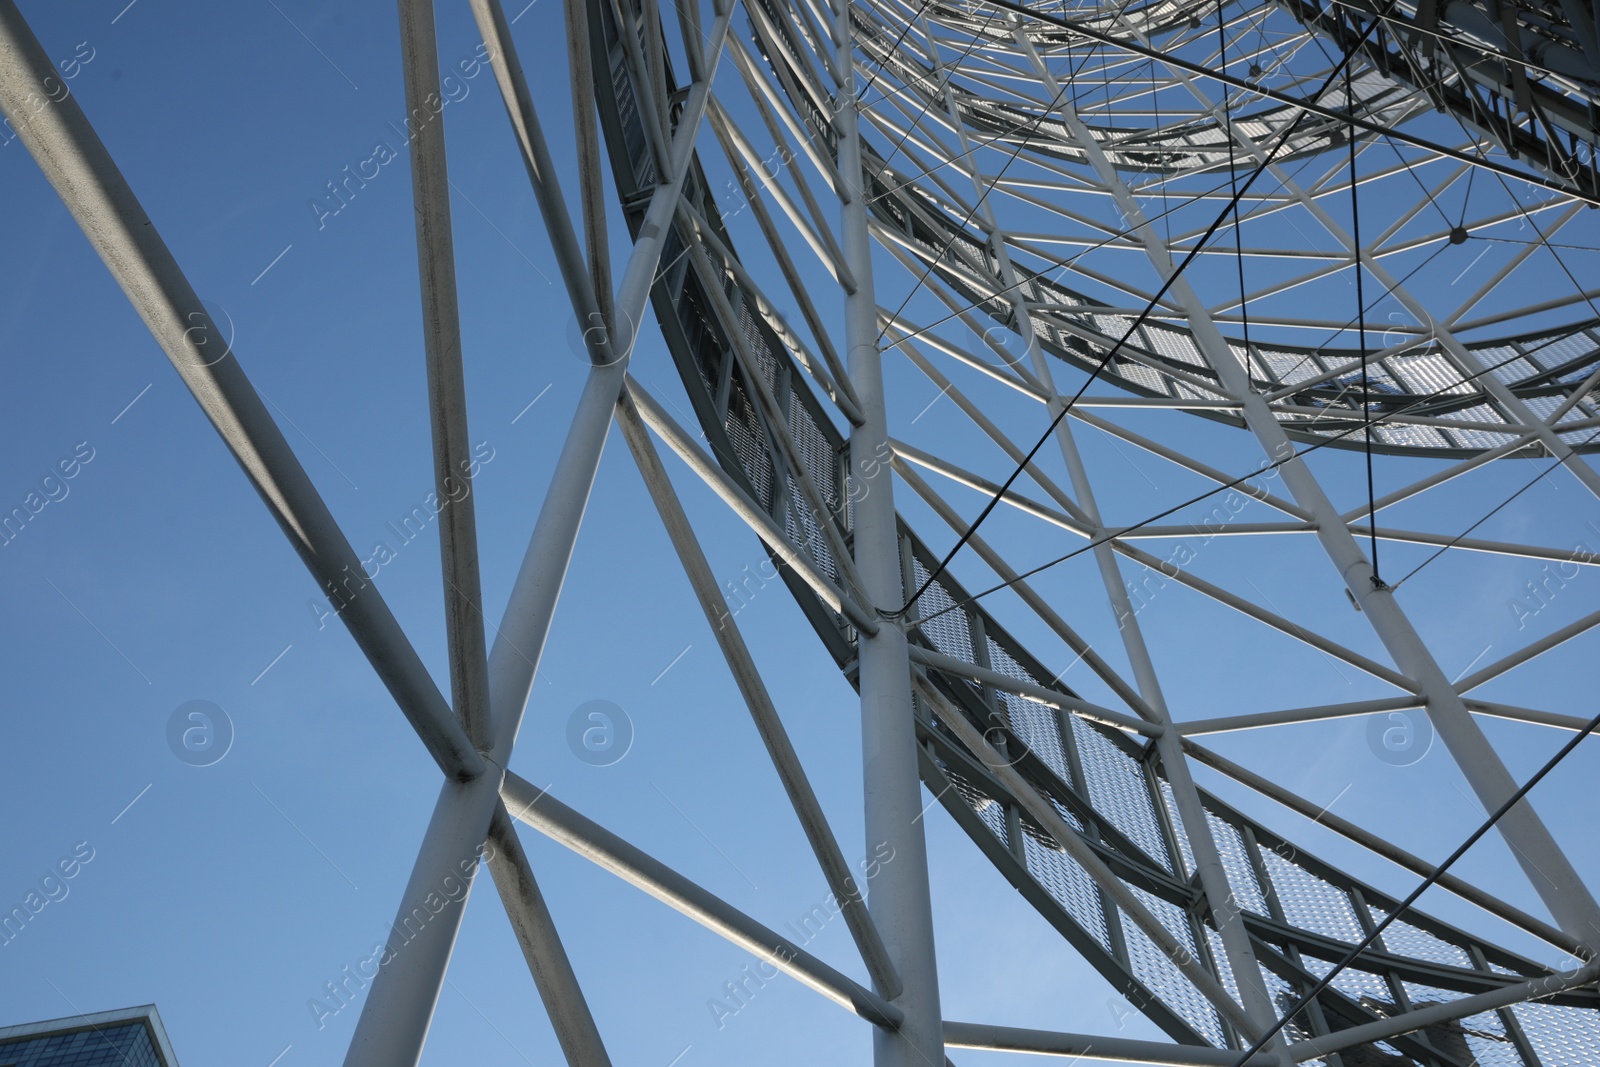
column 1208, row 921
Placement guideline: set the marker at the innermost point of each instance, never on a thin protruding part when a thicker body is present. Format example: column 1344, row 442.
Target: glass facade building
column 132, row 1037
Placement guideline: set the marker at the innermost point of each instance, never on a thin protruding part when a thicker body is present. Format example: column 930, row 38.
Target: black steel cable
column 943, row 85
column 1492, row 511
column 1122, row 531
column 1260, row 169
column 1361, row 315
column 1305, row 103
column 1233, row 176
column 883, row 63
column 994, row 183
column 1438, row 871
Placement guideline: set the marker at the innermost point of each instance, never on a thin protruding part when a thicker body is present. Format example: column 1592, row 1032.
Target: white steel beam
column 902, row 332
column 520, row 638
column 767, row 100
column 1442, row 1012
column 529, row 132
column 1319, row 813
column 791, row 457
column 928, row 461
column 1028, row 595
column 901, row 901
column 1532, row 715
column 538, row 809
column 1527, row 652
column 1172, row 455
column 1276, row 621
column 741, row 664
column 447, row 391
column 817, row 237
column 398, row 1011
column 586, row 134
column 1049, row 697
column 833, row 386
column 779, row 138
column 1454, row 470
column 55, row 131
column 1096, row 1048
column 1016, row 584
column 1579, row 556
column 1229, row 723
column 547, row 960
column 679, row 440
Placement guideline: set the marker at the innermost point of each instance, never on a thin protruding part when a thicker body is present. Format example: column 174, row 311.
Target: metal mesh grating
column 749, row 444
column 949, row 633
column 1481, row 1040
column 1403, row 939
column 983, row 805
column 1283, row 997
column 1561, row 1037
column 1118, row 790
column 753, row 336
column 632, row 123
column 1175, row 819
column 1036, row 725
column 1236, row 861
column 1152, row 967
column 1311, row 903
column 1220, row 962
column 1369, row 990
column 815, row 450
column 805, row 530
column 1066, row 882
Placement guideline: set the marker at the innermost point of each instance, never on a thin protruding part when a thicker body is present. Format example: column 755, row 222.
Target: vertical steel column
column 900, row 901
column 394, row 1023
column 447, row 390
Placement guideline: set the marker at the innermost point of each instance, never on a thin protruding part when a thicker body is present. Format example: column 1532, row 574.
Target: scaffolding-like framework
column 1043, row 178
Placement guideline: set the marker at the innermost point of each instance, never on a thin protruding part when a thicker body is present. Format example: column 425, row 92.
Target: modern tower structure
column 1322, row 262
column 131, row 1037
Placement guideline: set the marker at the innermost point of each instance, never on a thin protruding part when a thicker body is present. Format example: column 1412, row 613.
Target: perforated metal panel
column 1311, row 903
column 1562, row 1037
column 1118, row 789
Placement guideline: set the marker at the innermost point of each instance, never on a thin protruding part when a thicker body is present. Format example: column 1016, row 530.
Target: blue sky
column 228, row 894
